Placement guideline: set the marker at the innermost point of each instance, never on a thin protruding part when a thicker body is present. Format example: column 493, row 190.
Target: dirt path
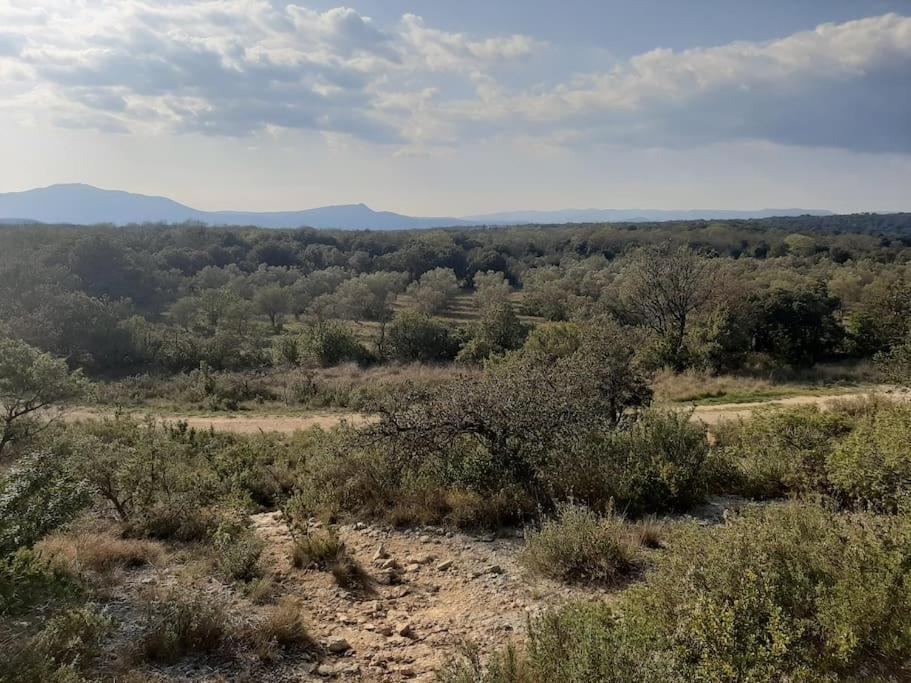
column 432, row 590
column 252, row 423
column 714, row 414
column 238, row 423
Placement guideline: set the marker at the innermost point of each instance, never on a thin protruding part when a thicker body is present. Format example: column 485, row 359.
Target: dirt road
column 714, row 414
column 252, row 423
column 238, row 423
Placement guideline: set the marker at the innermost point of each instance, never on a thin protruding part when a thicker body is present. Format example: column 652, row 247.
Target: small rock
column 444, row 565
column 381, row 553
column 406, row 630
column 424, row 539
column 384, row 630
column 494, row 569
column 389, row 564
column 413, row 567
column 338, row 645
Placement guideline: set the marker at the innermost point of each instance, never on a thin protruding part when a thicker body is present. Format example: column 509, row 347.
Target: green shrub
column 579, row 546
column 61, row 652
column 782, row 451
column 413, row 336
column 37, row 495
column 793, row 592
column 653, row 464
column 26, row 579
column 872, row 465
column 237, row 548
column 326, row 344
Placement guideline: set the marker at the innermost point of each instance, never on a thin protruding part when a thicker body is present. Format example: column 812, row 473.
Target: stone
column 337, row 645
column 381, row 553
column 494, row 569
column 444, row 565
column 406, row 630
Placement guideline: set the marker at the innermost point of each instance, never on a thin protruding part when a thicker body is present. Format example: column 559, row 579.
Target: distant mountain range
column 86, row 205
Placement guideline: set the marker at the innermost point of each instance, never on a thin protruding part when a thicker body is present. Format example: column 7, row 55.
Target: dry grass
column 282, row 631
column 100, row 552
column 324, row 550
column 316, row 550
column 182, row 623
column 692, row 385
column 650, row 532
column 701, row 387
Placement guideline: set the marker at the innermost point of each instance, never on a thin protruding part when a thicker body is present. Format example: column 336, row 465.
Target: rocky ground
column 431, row 591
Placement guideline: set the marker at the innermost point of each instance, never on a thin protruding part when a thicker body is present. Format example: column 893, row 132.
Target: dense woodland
column 127, row 550
column 732, row 295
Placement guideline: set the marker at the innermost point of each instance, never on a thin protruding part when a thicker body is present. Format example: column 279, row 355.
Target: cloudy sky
column 439, row 107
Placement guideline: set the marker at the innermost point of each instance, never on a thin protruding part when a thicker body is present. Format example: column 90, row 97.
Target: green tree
column 30, row 381
column 434, row 290
column 799, row 328
column 414, row 336
column 274, row 301
column 491, row 289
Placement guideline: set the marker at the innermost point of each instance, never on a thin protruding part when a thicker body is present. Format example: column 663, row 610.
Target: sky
column 451, row 108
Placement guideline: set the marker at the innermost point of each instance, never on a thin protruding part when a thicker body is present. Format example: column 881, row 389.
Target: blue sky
column 453, row 108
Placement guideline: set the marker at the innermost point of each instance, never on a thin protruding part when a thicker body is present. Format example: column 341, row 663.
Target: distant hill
column 86, row 205
column 632, row 215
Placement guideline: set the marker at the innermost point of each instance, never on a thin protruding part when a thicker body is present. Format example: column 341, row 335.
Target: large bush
column 413, row 336
column 872, row 465
column 781, row 451
column 654, row 464
column 787, row 593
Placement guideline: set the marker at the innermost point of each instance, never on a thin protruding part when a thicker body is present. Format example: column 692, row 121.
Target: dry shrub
column 316, row 550
column 282, row 632
column 183, row 623
column 349, row 574
column 260, row 591
column 101, row 553
column 650, row 532
column 325, row 551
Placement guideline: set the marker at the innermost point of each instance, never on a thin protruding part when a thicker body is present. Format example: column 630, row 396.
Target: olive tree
column 434, row 291
column 274, row 301
column 490, row 289
column 30, row 380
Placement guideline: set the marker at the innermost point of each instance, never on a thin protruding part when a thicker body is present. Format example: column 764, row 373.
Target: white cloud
column 844, row 85
column 221, row 67
column 236, row 67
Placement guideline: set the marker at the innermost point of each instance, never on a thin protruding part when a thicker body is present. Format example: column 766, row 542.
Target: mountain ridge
column 82, row 204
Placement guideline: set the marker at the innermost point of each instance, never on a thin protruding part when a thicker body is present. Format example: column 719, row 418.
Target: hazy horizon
column 433, row 109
